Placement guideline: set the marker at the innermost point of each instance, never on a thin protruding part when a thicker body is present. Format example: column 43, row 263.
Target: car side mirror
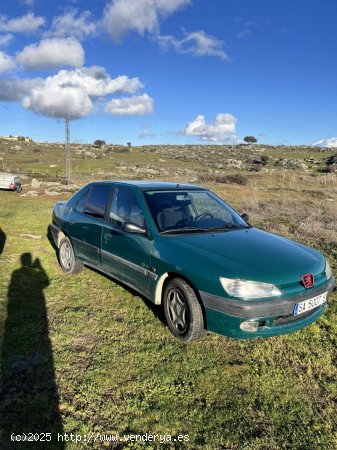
column 133, row 228
column 245, row 217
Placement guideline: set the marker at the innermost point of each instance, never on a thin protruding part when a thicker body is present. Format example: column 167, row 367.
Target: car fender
column 161, row 283
column 60, row 236
column 159, row 288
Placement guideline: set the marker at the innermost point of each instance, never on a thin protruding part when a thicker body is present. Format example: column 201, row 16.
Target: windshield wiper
column 184, row 230
column 229, row 227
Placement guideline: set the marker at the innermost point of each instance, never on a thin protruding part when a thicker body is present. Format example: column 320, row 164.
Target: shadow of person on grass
column 2, row 240
column 29, row 400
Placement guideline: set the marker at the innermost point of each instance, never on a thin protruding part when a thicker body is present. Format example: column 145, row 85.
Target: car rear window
column 79, row 207
column 97, row 201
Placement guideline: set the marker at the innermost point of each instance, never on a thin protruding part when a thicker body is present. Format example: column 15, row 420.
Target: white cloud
column 141, row 16
column 55, row 101
column 197, row 43
column 332, row 142
column 249, row 27
column 72, row 24
column 13, row 90
column 28, row 23
column 220, row 131
column 146, row 134
column 101, row 84
column 51, row 53
column 6, row 63
column 5, row 39
column 137, row 105
column 244, row 33
column 75, row 92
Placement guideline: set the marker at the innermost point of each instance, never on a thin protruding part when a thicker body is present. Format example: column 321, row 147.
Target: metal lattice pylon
column 68, row 150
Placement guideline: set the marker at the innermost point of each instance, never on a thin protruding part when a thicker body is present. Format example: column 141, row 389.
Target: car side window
column 81, row 202
column 97, row 201
column 125, row 207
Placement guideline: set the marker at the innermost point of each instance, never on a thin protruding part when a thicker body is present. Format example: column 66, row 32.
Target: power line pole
column 68, row 150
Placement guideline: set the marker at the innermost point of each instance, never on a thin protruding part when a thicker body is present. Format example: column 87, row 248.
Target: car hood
column 249, row 254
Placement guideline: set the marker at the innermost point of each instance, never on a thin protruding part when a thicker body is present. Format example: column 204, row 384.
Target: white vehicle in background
column 10, row 182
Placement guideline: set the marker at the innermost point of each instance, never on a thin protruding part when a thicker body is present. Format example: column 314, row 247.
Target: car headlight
column 248, row 289
column 328, row 271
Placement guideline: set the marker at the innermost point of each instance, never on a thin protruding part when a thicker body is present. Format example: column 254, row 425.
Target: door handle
column 107, row 236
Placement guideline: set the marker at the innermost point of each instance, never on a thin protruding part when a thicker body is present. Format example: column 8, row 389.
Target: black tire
column 183, row 311
column 67, row 258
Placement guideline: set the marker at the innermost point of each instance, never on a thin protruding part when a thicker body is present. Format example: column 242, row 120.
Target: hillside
column 46, row 162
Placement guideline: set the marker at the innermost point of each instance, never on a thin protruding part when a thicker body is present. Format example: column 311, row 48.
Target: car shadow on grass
column 29, row 401
column 156, row 310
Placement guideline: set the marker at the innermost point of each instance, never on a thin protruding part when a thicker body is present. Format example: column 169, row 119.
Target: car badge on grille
column 308, row 280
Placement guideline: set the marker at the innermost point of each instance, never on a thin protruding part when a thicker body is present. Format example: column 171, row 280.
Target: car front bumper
column 224, row 316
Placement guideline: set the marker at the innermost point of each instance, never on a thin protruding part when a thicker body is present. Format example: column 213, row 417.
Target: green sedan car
column 184, row 248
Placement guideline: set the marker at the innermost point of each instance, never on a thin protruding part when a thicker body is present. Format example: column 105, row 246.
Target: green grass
column 82, row 354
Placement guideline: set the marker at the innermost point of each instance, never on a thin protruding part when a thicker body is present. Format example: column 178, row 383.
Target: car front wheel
column 183, row 311
column 67, row 257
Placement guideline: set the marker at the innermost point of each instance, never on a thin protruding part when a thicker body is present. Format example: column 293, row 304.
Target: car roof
column 148, row 185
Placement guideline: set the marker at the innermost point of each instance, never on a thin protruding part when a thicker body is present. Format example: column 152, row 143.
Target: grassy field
column 84, row 355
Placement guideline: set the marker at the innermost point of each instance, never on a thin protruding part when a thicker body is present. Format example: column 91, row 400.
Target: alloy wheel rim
column 66, row 255
column 177, row 310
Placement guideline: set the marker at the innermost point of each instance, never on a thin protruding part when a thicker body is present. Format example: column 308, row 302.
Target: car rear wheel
column 67, row 257
column 183, row 311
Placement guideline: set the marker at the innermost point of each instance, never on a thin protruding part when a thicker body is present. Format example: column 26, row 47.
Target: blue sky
column 169, row 71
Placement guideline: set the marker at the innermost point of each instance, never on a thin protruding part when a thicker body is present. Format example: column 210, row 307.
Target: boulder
column 35, row 183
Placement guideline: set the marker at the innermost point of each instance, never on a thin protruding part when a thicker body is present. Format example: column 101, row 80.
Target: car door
column 87, row 222
column 126, row 255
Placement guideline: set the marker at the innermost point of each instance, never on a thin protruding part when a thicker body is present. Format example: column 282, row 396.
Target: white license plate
column 309, row 304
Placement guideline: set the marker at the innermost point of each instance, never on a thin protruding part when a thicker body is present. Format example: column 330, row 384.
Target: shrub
column 121, row 150
column 30, row 161
column 264, row 159
column 236, row 178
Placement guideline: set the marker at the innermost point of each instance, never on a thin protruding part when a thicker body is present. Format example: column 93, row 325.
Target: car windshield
column 186, row 211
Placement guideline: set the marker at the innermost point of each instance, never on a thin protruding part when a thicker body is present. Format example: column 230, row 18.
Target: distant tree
column 250, row 139
column 128, row 144
column 99, row 143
